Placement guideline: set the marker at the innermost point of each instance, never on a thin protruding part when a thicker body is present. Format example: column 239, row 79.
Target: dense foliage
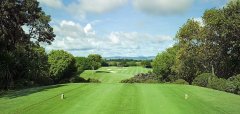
column 95, row 61
column 163, row 63
column 20, row 54
column 233, row 84
column 203, row 79
column 62, row 65
column 82, row 63
column 143, row 78
column 212, row 46
column 146, row 63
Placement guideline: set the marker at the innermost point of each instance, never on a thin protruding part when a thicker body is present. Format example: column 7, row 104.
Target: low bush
column 143, row 78
column 91, row 80
column 218, row 84
column 180, row 81
column 203, row 79
column 77, row 79
column 233, row 84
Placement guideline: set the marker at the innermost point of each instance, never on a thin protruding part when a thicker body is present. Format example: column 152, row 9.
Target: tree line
column 206, row 54
column 23, row 62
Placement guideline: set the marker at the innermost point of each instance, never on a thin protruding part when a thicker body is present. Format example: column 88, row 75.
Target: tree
column 163, row 63
column 146, row 63
column 62, row 65
column 222, row 39
column 82, row 64
column 131, row 63
column 233, row 85
column 16, row 15
column 187, row 64
column 123, row 63
column 95, row 61
column 213, row 47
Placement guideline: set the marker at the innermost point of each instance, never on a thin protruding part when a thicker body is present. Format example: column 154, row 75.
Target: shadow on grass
column 99, row 71
column 24, row 92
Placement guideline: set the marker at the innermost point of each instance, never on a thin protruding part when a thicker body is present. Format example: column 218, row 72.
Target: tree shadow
column 99, row 71
column 24, row 92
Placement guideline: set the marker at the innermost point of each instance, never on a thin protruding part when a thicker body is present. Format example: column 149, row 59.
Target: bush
column 112, row 63
column 42, row 81
column 233, row 84
column 181, row 81
column 203, row 79
column 91, row 80
column 131, row 63
column 146, row 64
column 143, row 78
column 77, row 79
column 217, row 83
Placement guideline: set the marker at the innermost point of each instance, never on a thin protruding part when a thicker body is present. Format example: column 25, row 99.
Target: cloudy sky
column 120, row 27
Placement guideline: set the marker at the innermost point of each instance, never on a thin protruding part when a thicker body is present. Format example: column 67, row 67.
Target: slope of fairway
column 113, row 74
column 120, row 99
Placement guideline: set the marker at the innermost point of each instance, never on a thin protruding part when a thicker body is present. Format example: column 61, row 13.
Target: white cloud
column 160, row 7
column 52, row 3
column 89, row 30
column 82, row 7
column 100, row 6
column 81, row 41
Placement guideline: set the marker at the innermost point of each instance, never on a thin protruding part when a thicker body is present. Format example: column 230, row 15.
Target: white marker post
column 186, row 96
column 62, row 96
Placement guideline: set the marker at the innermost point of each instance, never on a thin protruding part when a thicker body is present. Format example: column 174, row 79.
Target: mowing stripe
column 40, row 102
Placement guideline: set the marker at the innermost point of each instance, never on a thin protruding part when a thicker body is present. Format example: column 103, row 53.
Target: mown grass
column 113, row 74
column 119, row 98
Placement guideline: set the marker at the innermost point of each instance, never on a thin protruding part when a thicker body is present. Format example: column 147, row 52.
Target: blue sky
column 120, row 27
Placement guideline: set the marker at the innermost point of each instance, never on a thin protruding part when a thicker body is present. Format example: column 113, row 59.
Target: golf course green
column 113, row 74
column 118, row 98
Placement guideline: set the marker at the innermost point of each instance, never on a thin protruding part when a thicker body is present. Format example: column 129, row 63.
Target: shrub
column 77, row 79
column 181, row 81
column 143, row 78
column 217, row 83
column 233, row 84
column 131, row 63
column 91, row 80
column 203, row 79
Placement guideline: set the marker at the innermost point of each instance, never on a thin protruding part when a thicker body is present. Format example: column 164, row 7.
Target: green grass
column 119, row 98
column 113, row 74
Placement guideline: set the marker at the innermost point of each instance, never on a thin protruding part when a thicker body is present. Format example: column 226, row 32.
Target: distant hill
column 134, row 58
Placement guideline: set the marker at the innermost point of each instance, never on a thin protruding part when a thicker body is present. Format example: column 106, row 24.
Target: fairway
column 113, row 74
column 111, row 97
column 120, row 99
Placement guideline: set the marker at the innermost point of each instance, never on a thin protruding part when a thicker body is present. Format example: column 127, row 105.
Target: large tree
column 222, row 39
column 163, row 63
column 82, row 64
column 187, row 61
column 23, row 25
column 210, row 47
column 62, row 65
column 95, row 61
